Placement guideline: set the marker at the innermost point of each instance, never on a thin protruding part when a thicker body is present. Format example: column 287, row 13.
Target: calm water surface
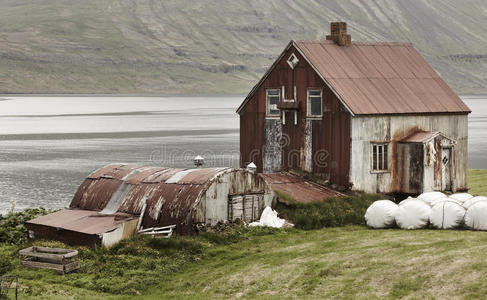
column 49, row 144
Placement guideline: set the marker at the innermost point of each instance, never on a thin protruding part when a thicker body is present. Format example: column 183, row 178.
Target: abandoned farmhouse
column 374, row 117
column 371, row 117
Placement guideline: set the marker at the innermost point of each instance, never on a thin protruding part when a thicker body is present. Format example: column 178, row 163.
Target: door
column 245, row 207
column 446, row 168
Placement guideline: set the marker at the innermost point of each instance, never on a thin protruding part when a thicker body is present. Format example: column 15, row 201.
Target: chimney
column 338, row 34
column 199, row 161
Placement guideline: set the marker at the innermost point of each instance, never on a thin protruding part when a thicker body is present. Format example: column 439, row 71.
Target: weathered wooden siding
column 392, row 128
column 318, row 145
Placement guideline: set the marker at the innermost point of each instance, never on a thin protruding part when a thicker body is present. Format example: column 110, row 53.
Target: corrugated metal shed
column 298, row 188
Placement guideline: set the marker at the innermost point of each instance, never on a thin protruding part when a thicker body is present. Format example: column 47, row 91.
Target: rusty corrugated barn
column 349, row 111
column 153, row 197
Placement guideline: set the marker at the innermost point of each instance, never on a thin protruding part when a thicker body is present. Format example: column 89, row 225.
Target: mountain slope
column 215, row 46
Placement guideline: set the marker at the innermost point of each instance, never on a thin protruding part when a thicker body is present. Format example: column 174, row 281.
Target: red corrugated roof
column 298, row 188
column 79, row 220
column 381, row 78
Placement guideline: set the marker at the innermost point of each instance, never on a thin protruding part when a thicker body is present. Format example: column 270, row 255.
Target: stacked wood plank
column 61, row 260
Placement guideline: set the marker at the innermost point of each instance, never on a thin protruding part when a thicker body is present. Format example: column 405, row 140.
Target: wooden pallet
column 61, row 260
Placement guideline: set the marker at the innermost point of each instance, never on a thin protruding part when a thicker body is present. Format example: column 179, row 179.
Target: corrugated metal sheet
column 299, row 189
column 170, row 194
column 83, row 221
column 381, row 78
column 419, row 137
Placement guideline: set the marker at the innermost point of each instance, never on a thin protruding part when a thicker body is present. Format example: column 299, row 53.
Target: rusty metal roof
column 422, row 136
column 298, row 188
column 84, row 221
column 381, row 78
column 377, row 78
column 176, row 190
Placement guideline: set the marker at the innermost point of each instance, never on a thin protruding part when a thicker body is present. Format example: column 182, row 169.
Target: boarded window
column 273, row 97
column 379, row 157
column 245, row 207
column 314, row 103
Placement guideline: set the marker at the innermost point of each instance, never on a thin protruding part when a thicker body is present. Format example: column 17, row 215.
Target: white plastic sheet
column 381, row 214
column 445, row 199
column 476, row 216
column 407, row 200
column 473, row 200
column 413, row 214
column 447, row 214
column 462, row 197
column 269, row 218
column 430, row 197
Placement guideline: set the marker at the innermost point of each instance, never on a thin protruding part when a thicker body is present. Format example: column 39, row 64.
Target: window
column 273, row 97
column 379, row 157
column 314, row 103
column 292, row 61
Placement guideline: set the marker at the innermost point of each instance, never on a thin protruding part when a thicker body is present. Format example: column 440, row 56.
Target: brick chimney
column 338, row 33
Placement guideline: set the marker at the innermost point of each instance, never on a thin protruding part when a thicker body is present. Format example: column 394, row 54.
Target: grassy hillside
column 345, row 262
column 477, row 182
column 215, row 46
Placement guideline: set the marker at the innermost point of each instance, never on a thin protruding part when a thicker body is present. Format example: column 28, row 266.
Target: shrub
column 331, row 212
column 12, row 229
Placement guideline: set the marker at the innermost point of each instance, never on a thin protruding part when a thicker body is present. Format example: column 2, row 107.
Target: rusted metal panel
column 398, row 66
column 83, row 221
column 419, row 136
column 201, row 176
column 94, row 194
column 298, row 188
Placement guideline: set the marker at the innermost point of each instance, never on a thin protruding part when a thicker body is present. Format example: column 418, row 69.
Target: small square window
column 273, row 96
column 379, row 157
column 292, row 61
column 315, row 108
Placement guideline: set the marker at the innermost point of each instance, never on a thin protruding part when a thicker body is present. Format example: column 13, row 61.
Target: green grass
column 350, row 262
column 477, row 182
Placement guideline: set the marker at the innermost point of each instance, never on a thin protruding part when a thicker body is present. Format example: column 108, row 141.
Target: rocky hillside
column 215, row 46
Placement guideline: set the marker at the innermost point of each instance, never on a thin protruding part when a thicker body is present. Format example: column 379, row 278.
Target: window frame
column 385, row 158
column 267, row 103
column 308, row 103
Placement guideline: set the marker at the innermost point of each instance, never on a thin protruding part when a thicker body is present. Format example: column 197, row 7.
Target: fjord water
column 48, row 144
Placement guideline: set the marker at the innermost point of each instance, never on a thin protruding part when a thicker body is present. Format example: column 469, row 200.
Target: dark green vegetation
column 216, row 46
column 12, row 229
column 330, row 213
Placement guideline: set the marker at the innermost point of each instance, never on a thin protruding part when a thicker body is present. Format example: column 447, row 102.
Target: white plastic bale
column 473, row 200
column 476, row 216
column 462, row 197
column 269, row 218
column 447, row 214
column 446, row 199
column 413, row 214
column 381, row 214
column 430, row 197
column 407, row 200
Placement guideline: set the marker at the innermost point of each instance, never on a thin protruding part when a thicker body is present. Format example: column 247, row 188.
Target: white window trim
column 292, row 61
column 385, row 145
column 267, row 109
column 308, row 104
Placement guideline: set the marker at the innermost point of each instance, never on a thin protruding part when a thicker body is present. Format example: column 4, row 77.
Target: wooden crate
column 61, row 260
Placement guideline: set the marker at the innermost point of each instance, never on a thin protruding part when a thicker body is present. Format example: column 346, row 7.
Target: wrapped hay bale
column 413, row 214
column 444, row 200
column 462, row 197
column 473, row 200
column 476, row 216
column 407, row 200
column 381, row 214
column 447, row 214
column 430, row 197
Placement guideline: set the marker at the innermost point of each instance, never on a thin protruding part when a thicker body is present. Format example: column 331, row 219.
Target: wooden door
column 245, row 207
column 446, row 168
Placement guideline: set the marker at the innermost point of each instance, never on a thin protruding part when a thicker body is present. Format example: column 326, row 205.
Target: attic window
column 292, row 61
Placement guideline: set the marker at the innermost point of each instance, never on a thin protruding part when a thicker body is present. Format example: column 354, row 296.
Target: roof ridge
column 358, row 43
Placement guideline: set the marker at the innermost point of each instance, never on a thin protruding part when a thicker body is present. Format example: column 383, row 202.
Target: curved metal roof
column 122, row 188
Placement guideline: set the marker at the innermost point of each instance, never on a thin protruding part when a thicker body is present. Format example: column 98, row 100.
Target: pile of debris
column 433, row 209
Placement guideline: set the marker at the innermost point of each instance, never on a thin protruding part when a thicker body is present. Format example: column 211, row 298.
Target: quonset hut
column 115, row 201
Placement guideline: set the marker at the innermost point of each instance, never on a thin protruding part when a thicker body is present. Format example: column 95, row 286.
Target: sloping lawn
column 477, row 181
